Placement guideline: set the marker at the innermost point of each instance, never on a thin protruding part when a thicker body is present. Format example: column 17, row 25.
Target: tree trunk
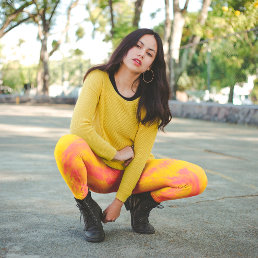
column 231, row 94
column 177, row 31
column 137, row 12
column 39, row 78
column 167, row 36
column 66, row 28
column 110, row 3
column 176, row 36
column 43, row 71
column 201, row 20
column 45, row 67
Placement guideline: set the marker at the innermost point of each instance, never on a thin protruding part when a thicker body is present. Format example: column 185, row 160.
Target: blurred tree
column 16, row 75
column 114, row 18
column 137, row 12
column 46, row 10
column 12, row 74
column 233, row 57
column 110, row 4
column 167, row 34
column 221, row 21
column 71, row 69
column 238, row 16
column 42, row 13
column 79, row 33
column 176, row 64
column 13, row 13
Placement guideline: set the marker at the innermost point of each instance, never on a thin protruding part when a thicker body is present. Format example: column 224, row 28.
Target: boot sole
column 144, row 232
column 94, row 240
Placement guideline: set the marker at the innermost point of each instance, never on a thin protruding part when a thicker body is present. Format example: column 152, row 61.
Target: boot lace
column 88, row 215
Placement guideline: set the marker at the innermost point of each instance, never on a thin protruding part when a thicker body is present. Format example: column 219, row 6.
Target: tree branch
column 69, row 10
column 185, row 7
column 2, row 33
column 20, row 9
column 53, row 11
column 37, row 8
column 11, row 17
column 201, row 20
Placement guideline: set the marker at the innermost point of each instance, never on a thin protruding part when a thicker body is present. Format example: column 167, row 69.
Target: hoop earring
column 151, row 78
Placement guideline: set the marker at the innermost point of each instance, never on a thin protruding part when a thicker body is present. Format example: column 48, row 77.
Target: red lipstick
column 137, row 61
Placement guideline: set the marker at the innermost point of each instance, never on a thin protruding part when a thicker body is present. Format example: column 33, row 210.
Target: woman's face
column 140, row 57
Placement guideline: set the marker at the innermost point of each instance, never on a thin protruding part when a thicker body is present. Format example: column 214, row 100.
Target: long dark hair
column 154, row 95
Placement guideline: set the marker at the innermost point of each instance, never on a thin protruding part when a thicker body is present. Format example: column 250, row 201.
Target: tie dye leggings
column 166, row 179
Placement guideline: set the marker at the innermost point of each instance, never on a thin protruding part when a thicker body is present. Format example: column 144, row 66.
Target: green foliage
column 77, row 52
column 15, row 75
column 236, row 5
column 11, row 75
column 153, row 15
column 70, row 69
column 54, row 43
column 8, row 8
column 80, row 33
column 100, row 17
column 229, row 54
column 159, row 29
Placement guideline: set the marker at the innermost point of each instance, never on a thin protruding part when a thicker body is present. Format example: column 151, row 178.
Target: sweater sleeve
column 143, row 144
column 83, row 115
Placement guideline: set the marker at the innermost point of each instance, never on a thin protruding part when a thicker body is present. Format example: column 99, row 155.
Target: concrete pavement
column 38, row 216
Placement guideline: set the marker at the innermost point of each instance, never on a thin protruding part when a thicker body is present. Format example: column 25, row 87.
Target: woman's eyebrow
column 149, row 48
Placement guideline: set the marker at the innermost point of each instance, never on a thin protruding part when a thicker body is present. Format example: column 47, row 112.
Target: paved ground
column 38, row 216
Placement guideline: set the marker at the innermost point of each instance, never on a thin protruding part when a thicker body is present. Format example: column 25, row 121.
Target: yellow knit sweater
column 107, row 122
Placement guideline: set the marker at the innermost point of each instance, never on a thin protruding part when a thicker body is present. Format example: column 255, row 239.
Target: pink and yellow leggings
column 166, row 179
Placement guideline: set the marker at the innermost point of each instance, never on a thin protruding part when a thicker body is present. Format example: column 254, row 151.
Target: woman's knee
column 202, row 180
column 64, row 143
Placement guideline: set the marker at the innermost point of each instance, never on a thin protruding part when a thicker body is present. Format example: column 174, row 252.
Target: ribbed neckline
column 135, row 96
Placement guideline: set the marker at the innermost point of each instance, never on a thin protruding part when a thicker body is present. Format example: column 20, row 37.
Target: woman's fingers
column 112, row 212
column 127, row 162
column 125, row 154
column 107, row 219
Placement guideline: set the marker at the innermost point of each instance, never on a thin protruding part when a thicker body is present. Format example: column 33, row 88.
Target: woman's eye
column 149, row 54
column 138, row 46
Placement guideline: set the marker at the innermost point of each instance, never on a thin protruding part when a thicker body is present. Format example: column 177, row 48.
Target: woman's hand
column 127, row 162
column 126, row 153
column 112, row 212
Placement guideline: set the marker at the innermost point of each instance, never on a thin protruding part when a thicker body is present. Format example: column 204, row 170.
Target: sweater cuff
column 111, row 154
column 122, row 196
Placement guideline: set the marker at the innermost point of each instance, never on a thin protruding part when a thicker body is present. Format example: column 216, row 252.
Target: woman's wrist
column 118, row 202
column 116, row 156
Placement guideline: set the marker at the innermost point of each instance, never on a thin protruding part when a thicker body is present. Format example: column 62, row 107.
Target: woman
column 121, row 107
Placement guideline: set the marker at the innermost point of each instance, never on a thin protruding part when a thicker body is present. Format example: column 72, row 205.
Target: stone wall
column 244, row 114
column 37, row 100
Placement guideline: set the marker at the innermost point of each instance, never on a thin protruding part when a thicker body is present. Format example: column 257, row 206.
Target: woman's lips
column 137, row 62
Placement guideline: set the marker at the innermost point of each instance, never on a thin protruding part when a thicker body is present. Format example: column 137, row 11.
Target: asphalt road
column 39, row 218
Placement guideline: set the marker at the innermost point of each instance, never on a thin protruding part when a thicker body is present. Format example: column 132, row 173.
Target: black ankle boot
column 92, row 215
column 140, row 206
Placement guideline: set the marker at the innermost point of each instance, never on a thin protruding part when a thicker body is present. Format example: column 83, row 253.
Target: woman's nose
column 141, row 53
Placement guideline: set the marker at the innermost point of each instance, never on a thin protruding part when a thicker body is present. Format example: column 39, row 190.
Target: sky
column 95, row 49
